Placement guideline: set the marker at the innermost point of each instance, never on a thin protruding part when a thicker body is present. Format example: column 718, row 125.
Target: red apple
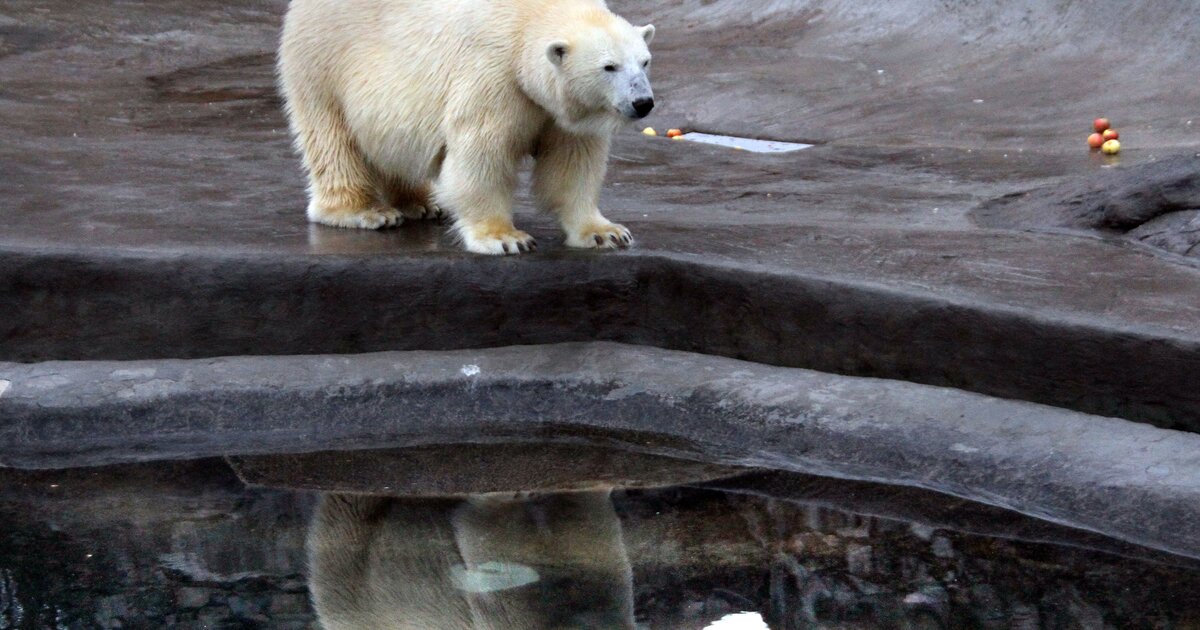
column 1095, row 140
column 1110, row 134
column 1100, row 124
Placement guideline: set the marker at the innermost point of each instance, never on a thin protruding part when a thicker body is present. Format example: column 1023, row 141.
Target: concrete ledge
column 1117, row 478
column 153, row 207
column 140, row 306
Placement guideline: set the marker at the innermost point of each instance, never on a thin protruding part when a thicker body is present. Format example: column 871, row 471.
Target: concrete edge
column 1122, row 479
column 140, row 306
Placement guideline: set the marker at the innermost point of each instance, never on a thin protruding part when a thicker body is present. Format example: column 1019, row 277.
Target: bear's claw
column 422, row 212
column 521, row 247
column 501, row 244
column 608, row 236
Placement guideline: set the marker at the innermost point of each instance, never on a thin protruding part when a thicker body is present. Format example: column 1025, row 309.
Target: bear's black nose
column 642, row 106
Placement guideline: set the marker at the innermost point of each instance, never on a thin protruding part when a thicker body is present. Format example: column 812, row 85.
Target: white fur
column 404, row 104
column 430, row 564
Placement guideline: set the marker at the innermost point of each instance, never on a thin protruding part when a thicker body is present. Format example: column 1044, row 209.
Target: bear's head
column 598, row 73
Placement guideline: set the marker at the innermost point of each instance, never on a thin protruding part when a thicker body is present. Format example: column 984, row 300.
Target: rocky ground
column 1156, row 203
column 949, row 230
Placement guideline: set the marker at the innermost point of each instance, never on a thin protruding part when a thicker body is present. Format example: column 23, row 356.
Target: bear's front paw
column 600, row 236
column 497, row 240
column 366, row 218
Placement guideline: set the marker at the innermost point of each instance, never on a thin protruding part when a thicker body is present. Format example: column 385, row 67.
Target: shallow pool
column 189, row 545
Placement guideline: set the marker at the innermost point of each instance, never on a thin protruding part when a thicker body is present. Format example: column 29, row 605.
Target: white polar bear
column 403, row 107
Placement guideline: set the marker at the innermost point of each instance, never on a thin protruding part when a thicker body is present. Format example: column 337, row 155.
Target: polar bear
column 488, row 562
column 402, row 108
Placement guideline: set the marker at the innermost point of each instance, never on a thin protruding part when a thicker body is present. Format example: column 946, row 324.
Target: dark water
column 189, row 546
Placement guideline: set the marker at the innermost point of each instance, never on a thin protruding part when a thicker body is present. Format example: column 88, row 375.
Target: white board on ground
column 749, row 144
column 739, row 621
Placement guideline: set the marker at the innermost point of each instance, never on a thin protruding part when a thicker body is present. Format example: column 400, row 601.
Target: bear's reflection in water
column 487, row 562
column 688, row 557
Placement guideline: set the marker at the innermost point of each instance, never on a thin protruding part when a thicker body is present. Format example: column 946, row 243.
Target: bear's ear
column 556, row 52
column 648, row 32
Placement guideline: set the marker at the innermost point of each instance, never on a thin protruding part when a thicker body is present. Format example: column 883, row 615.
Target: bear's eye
column 646, row 63
column 610, row 68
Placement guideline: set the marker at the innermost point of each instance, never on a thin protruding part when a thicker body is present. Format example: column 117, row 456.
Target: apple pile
column 1105, row 137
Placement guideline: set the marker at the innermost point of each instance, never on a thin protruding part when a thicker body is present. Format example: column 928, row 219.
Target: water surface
column 188, row 545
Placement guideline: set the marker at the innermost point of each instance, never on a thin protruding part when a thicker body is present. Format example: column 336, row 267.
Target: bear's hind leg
column 341, row 186
column 412, row 201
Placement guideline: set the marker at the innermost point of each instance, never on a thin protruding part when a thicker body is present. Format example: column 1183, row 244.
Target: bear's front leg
column 567, row 177
column 476, row 186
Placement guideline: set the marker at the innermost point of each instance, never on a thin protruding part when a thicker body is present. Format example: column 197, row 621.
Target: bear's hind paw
column 423, row 212
column 363, row 218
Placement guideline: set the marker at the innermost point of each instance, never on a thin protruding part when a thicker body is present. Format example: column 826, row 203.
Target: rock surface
column 153, row 208
column 1157, row 203
column 1177, row 232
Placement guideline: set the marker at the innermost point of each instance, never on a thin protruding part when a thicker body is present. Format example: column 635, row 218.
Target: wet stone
column 858, row 559
column 986, row 602
column 243, row 606
column 215, row 616
column 942, row 547
column 1024, row 617
column 1176, row 232
column 111, row 610
column 193, row 597
column 289, row 604
column 1069, row 610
